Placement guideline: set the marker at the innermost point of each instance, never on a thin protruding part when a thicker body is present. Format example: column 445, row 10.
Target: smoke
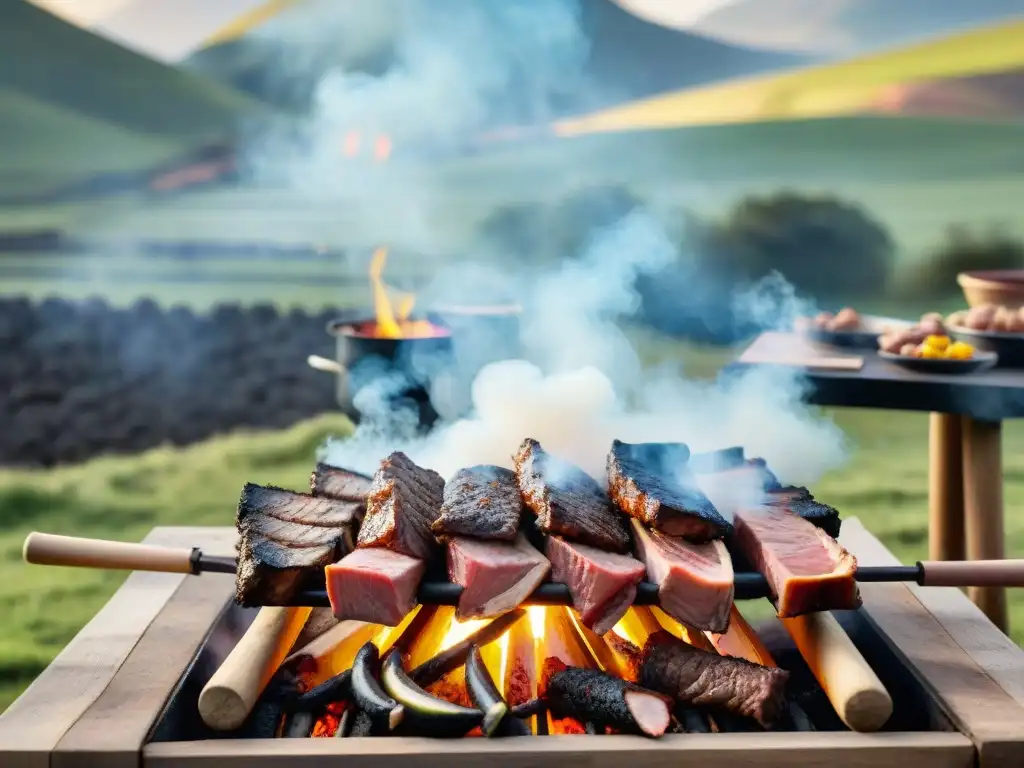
column 572, row 379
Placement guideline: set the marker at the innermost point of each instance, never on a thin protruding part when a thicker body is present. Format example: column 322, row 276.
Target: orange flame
column 392, row 323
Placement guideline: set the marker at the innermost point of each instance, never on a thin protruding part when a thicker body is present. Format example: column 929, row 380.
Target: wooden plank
column 752, row 750
column 34, row 724
column 790, row 349
column 111, row 732
column 974, row 701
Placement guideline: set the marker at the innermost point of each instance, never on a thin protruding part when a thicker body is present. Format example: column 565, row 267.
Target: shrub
column 823, row 245
column 961, row 250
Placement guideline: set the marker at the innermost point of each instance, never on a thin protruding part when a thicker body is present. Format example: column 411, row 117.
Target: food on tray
column 694, row 676
column 374, row 584
column 989, row 318
column 651, row 483
column 846, row 319
column 284, row 536
column 482, row 502
column 602, row 584
column 402, row 505
column 567, row 501
column 902, row 341
column 938, row 348
column 496, row 576
column 806, row 568
column 695, row 581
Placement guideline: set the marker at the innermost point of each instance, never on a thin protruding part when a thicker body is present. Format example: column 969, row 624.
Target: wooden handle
column 324, row 364
column 48, row 549
column 229, row 697
column 972, row 573
column 856, row 693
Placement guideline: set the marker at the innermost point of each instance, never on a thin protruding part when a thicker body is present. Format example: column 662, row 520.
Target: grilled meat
column 567, row 501
column 496, row 576
column 806, row 568
column 800, row 502
column 651, row 483
column 602, row 584
column 285, row 538
column 339, row 483
column 590, row 696
column 697, row 677
column 374, row 584
column 403, row 503
column 695, row 581
column 482, row 502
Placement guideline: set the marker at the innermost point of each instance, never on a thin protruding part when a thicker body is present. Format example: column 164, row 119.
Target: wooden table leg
column 983, row 508
column 945, row 488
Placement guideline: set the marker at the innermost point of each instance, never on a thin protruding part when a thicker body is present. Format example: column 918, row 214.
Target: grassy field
column 884, row 484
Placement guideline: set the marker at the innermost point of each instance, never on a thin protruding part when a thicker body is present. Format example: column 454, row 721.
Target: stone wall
column 82, row 378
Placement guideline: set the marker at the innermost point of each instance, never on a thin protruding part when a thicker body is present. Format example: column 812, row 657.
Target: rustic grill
column 955, row 683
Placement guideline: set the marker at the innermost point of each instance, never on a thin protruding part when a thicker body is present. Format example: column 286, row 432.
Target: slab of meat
column 602, row 584
column 695, row 581
column 286, row 538
column 717, row 461
column 696, row 677
column 495, row 576
column 482, row 502
column 651, row 483
column 806, row 568
column 374, row 584
column 800, row 502
column 403, row 503
column 567, row 501
column 339, row 483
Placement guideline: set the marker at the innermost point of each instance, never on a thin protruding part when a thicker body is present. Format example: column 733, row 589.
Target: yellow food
column 958, row 350
column 929, row 353
column 939, row 343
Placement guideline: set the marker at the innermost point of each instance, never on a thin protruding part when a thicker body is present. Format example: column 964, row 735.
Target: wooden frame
column 96, row 704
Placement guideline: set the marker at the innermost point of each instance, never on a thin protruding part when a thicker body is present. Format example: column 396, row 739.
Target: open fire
column 392, row 320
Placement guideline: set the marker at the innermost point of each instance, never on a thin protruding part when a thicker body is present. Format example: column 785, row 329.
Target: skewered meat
column 496, row 576
column 403, row 503
column 374, row 584
column 482, row 502
column 340, row 483
column 806, row 568
column 602, row 584
column 567, row 501
column 695, row 581
column 651, row 483
column 697, row 677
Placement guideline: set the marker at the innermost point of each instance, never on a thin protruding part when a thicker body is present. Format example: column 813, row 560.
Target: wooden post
column 983, row 509
column 945, row 488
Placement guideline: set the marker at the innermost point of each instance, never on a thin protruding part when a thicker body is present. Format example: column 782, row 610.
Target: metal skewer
column 47, row 549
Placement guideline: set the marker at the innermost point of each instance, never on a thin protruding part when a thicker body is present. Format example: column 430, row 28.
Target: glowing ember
column 389, row 323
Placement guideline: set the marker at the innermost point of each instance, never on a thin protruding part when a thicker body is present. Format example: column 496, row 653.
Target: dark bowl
column 980, row 362
column 865, row 337
column 1009, row 347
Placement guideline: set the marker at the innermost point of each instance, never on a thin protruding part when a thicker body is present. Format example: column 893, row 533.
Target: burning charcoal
column 495, row 576
column 374, row 585
column 426, row 715
column 337, row 688
column 362, row 725
column 484, row 694
column 299, row 725
column 267, row 715
column 692, row 720
column 594, row 697
column 567, row 501
column 482, row 502
column 602, row 584
column 338, row 483
column 345, row 723
column 695, row 581
column 403, row 503
column 700, row 678
column 651, row 483
column 806, row 568
column 285, row 538
column 385, row 712
column 434, row 669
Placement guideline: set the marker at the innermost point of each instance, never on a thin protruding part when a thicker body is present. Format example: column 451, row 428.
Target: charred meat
column 403, row 503
column 567, row 501
column 602, row 584
column 800, row 502
column 482, row 502
column 806, row 568
column 696, row 677
column 374, row 584
column 590, row 696
column 495, row 576
column 285, row 538
column 651, row 483
column 339, row 483
column 695, row 581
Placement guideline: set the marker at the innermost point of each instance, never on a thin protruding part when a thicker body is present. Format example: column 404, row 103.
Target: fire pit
column 125, row 691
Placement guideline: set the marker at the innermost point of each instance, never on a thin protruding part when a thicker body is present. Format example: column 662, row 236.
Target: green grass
column 884, row 484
